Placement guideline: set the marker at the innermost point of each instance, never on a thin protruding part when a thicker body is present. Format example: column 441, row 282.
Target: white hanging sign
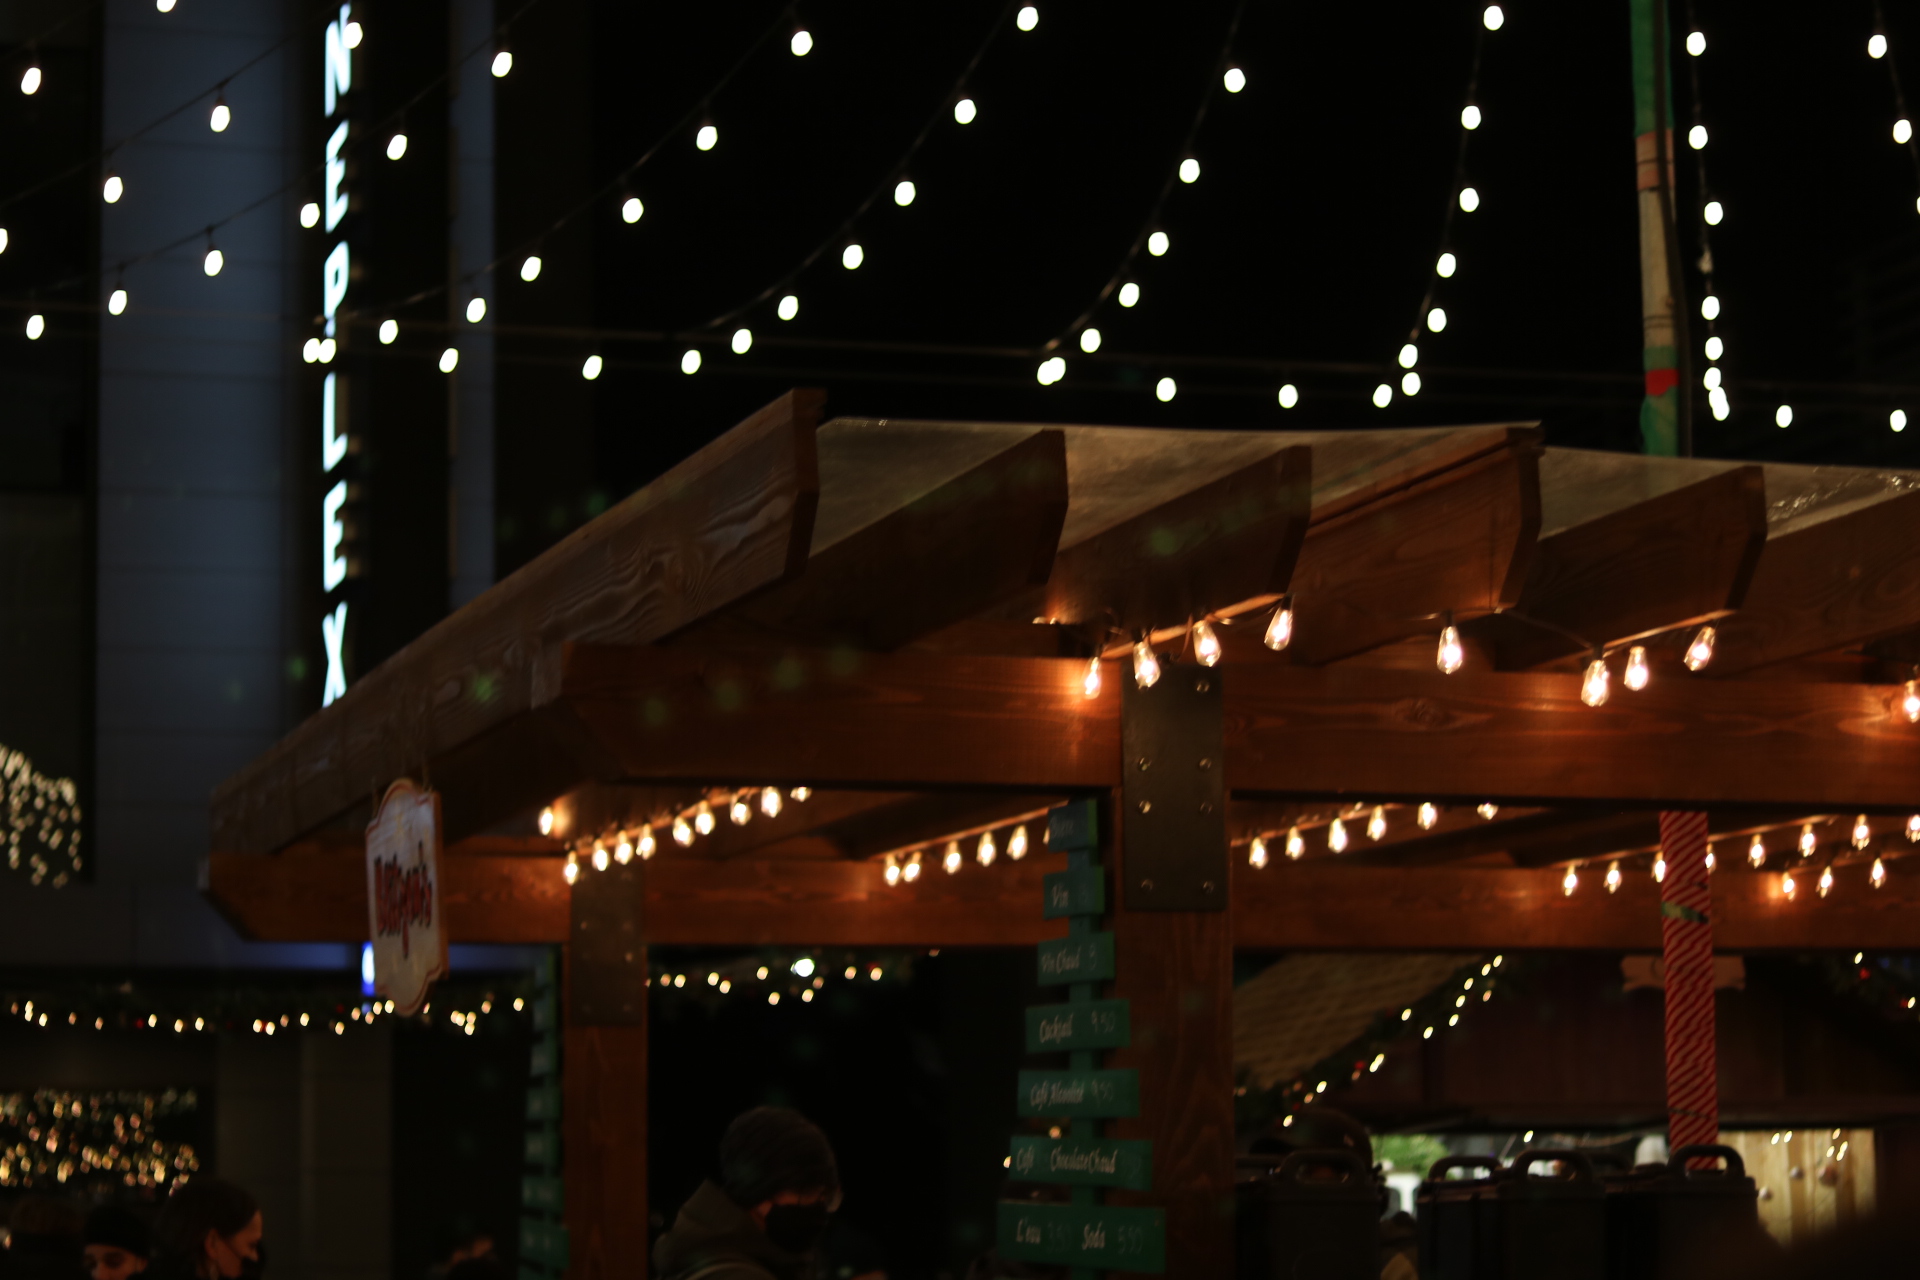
column 404, row 916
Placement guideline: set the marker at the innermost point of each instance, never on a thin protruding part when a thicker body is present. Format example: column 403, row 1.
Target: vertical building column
column 1686, row 949
column 471, row 247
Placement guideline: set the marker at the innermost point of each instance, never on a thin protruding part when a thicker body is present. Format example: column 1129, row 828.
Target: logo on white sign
column 404, row 918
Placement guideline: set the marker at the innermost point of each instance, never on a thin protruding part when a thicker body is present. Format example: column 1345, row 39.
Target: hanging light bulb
column 1826, row 879
column 1377, row 824
column 1713, row 863
column 703, row 818
column 502, row 64
column 892, row 872
column 646, row 845
column 1146, row 667
column 1189, row 170
column 1862, row 832
column 1158, row 244
column 951, row 860
column 1017, row 843
column 1878, row 876
column 1289, row 395
column 1910, row 702
column 1636, row 677
column 546, row 821
column 112, row 188
column 964, row 111
column 630, row 210
column 30, row 80
column 1570, row 882
column 1089, row 340
column 1429, row 814
column 1090, row 683
column 1660, row 867
column 682, row 831
column 1165, row 390
column 1296, row 844
column 214, row 260
column 1488, row 810
column 1700, row 650
column 449, row 359
column 1596, row 684
column 802, row 42
column 800, row 794
column 911, row 871
column 1787, row 884
column 599, row 857
column 740, row 811
column 1757, row 852
column 389, row 330
column 1451, row 655
column 572, row 870
column 770, row 801
column 530, row 267
column 1913, row 828
column 1613, row 877
column 117, row 301
column 1234, row 79
column 1129, row 295
column 221, row 115
column 984, row 854
column 1808, row 841
column 623, row 851
column 396, row 146
column 707, row 137
column 1337, row 836
column 1280, row 627
column 1206, row 644
column 1257, row 853
column 476, row 310
column 591, row 367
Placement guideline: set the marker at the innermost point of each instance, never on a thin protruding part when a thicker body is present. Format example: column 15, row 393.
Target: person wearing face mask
column 209, row 1229
column 118, row 1244
column 763, row 1214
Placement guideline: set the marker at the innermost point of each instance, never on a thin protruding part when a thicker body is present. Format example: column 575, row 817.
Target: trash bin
column 1310, row 1215
column 1669, row 1221
column 1538, row 1227
column 1445, row 1210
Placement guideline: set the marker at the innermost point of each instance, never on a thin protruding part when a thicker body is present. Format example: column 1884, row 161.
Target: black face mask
column 255, row 1267
column 797, row 1227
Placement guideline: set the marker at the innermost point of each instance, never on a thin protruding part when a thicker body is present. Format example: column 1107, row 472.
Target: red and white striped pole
column 1686, row 948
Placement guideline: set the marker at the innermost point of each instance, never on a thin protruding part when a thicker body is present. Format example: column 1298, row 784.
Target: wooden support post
column 1686, row 950
column 604, row 1079
column 1173, row 939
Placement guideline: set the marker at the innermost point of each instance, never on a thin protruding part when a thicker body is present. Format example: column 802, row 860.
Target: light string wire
column 305, row 175
column 782, row 21
column 1154, row 212
column 1713, row 380
column 1912, row 144
column 107, row 152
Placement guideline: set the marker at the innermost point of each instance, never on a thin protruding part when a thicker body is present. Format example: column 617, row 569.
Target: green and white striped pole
column 1665, row 426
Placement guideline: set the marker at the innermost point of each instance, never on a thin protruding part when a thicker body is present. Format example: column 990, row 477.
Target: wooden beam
column 1850, row 580
column 1315, row 905
column 733, row 519
column 1380, row 566
column 604, row 1124
column 1683, row 558
column 973, row 542
column 1212, row 547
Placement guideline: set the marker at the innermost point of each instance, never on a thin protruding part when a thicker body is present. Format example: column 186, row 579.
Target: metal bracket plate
column 1173, row 811
column 608, row 964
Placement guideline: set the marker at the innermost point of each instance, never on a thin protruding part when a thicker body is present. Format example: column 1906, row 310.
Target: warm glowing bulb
column 1896, row 421
column 30, row 81
column 690, row 360
column 1337, row 836
column 1493, row 18
column 1206, row 643
column 707, row 138
column 1280, row 629
column 396, row 146
column 389, row 330
column 1696, row 43
column 1409, row 383
column 1713, row 863
column 1089, row 340
column 117, row 302
column 742, row 341
column 1570, row 882
column 1488, row 810
column 770, row 801
column 802, row 42
column 1429, row 814
column 1910, row 701
column 1090, row 683
column 740, row 812
column 590, row 367
column 802, row 794
column 1235, row 80
column 1903, row 131
column 546, row 822
column 1158, row 244
column 112, row 189
column 1713, row 213
column 682, row 831
column 1409, row 356
column 1257, row 853
column 623, row 851
column 1296, row 844
column 1697, row 137
column 1613, row 877
column 1470, row 117
column 1700, row 649
column 1787, row 885
column 449, row 359
column 1826, row 879
column 1382, row 396
column 1710, row 307
column 703, row 820
column 631, row 209
column 1189, row 170
column 1660, row 868
column 1808, row 841
column 1757, row 852
column 893, row 870
column 1636, row 677
column 213, row 262
column 1469, row 199
column 1450, row 656
column 220, row 117
column 476, row 310
column 1146, row 666
column 1862, row 832
column 599, row 857
column 1596, row 684
column 1129, row 295
column 1437, row 319
column 911, row 871
column 985, row 852
column 852, row 256
column 1377, row 824
column 951, row 860
column 572, row 870
column 1447, row 265
column 646, row 844
column 1878, row 876
column 964, row 111
column 1289, row 395
column 1017, row 843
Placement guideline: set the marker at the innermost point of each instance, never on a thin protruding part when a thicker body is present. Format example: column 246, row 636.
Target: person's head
column 777, row 1165
column 118, row 1243
column 214, row 1227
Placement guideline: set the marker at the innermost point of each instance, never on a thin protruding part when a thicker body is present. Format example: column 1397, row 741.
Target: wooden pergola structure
column 900, row 615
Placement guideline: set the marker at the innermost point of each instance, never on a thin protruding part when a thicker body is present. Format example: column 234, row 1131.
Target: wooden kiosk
column 899, row 618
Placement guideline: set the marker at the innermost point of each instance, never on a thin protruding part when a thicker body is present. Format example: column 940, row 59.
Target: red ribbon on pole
column 1686, row 947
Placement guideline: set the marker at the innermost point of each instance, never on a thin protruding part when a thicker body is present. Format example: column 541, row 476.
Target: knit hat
column 773, row 1149
column 119, row 1228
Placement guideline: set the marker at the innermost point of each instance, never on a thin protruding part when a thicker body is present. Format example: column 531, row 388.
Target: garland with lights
column 43, row 821
column 59, row 1140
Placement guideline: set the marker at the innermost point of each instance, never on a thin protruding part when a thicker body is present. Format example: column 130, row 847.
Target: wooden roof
column 898, row 613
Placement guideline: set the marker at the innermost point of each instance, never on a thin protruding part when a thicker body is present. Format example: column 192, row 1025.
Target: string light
column 572, row 870
column 1017, row 843
column 623, row 851
column 1660, row 867
column 476, row 310
column 546, row 821
column 1337, row 836
column 3, row 239
column 1636, row 676
column 1296, row 844
column 1410, row 383
column 1713, row 863
column 1451, row 655
column 690, row 361
column 1700, row 648
column 985, row 852
column 1570, row 882
column 911, row 871
column 1051, row 370
column 1429, row 814
column 1489, row 811
column 502, row 64
column 892, row 872
column 631, row 209
column 1878, row 876
column 646, row 845
column 1289, row 396
column 1469, row 201
column 740, row 812
column 1783, row 416
column 112, row 188
column 396, row 146
column 1206, row 643
column 1234, row 80
column 117, row 301
column 1279, row 633
column 952, row 859
column 1826, row 879
column 1382, row 396
column 1377, row 824
column 1090, row 683
column 1146, row 666
column 1757, row 852
column 770, row 801
column 1129, row 295
column 707, row 138
column 30, row 80
column 1613, row 877
column 449, row 359
column 799, row 794
column 1189, row 171
column 1808, row 841
column 1697, row 137
column 1910, row 701
column 1903, row 131
column 36, row 325
column 1437, row 319
column 1862, row 832
column 1493, row 17
column 852, row 256
column 1713, row 213
column 964, row 111
column 802, row 42
column 741, row 342
column 789, row 307
column 214, row 260
column 1158, row 244
column 1089, row 340
column 1028, row 18
column 903, row 193
column 682, row 831
column 1710, row 307
column 1897, row 420
column 1913, row 828
column 1257, row 853
column 221, row 116
column 389, row 330
column 703, row 820
column 1877, row 46
column 1595, row 686
column 599, row 857
column 1696, row 43
column 591, row 367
